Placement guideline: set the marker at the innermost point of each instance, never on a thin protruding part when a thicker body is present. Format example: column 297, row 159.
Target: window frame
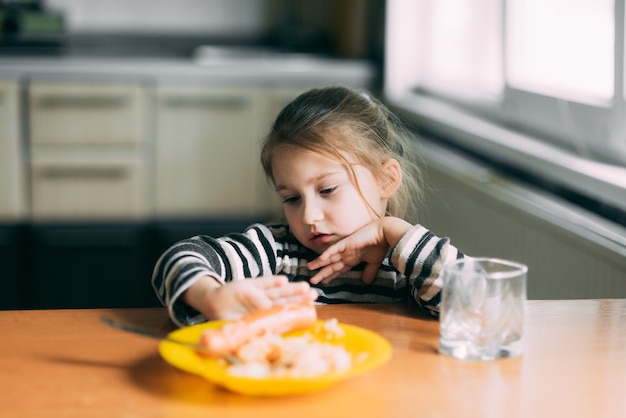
column 499, row 127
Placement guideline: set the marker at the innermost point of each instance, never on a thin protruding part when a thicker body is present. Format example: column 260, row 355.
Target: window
column 551, row 68
column 458, row 63
column 572, row 59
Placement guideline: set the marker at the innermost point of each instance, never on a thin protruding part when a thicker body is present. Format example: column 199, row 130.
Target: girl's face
column 320, row 199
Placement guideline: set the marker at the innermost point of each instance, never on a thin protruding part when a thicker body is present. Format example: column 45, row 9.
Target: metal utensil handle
column 135, row 329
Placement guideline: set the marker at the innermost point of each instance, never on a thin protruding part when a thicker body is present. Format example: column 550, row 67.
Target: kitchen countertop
column 236, row 68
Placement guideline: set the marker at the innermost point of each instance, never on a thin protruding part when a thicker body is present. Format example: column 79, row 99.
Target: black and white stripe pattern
column 410, row 272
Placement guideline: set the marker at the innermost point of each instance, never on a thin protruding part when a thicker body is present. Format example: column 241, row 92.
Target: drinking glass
column 482, row 308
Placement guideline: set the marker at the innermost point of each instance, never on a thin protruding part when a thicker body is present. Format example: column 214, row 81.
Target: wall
column 232, row 17
column 344, row 28
column 571, row 253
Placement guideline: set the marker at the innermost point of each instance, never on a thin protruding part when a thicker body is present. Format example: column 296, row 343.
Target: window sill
column 603, row 183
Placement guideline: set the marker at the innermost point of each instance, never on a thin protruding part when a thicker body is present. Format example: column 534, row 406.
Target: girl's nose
column 312, row 212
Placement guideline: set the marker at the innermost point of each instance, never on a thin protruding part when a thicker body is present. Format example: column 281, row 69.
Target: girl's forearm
column 195, row 296
column 393, row 229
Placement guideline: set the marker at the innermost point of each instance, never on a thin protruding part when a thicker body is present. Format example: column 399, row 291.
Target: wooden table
column 64, row 363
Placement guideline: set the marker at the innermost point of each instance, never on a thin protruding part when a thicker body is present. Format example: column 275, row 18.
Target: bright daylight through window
column 549, row 71
column 572, row 58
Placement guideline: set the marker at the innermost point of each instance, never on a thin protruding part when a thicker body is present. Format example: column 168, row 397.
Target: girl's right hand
column 234, row 299
column 369, row 245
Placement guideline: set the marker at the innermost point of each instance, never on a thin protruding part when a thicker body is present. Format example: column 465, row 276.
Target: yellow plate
column 369, row 350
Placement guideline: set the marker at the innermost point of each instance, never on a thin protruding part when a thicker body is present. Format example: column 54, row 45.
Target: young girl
column 341, row 164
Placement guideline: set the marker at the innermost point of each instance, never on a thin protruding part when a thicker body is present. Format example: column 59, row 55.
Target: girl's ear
column 393, row 178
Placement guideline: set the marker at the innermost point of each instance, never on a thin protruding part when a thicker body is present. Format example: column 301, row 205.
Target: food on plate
column 276, row 320
column 298, row 357
column 262, row 351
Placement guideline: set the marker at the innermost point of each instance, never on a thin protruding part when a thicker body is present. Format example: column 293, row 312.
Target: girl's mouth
column 321, row 239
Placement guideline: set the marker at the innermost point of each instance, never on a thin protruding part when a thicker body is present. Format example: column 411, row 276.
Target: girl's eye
column 328, row 190
column 291, row 200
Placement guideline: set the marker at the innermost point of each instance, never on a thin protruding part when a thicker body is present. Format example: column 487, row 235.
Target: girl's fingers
column 307, row 297
column 303, row 295
column 319, row 262
column 369, row 273
column 319, row 276
column 330, row 255
column 288, row 290
column 323, row 274
column 259, row 304
column 335, row 274
column 268, row 282
column 313, row 265
column 328, row 273
column 327, row 260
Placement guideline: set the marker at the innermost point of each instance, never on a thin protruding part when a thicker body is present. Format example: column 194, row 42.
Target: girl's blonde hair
column 350, row 127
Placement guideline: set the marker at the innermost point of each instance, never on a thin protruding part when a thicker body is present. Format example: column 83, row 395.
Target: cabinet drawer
column 72, row 113
column 206, row 156
column 87, row 190
column 12, row 169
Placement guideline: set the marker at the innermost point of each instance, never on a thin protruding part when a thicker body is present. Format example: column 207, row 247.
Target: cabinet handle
column 91, row 102
column 95, row 173
column 204, row 102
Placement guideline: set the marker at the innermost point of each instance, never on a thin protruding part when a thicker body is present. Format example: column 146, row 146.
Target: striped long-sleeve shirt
column 410, row 272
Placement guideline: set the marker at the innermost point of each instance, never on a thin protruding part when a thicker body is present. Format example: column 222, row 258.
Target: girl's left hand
column 369, row 244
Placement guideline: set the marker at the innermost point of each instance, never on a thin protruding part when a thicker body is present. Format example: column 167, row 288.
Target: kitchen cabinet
column 87, row 188
column 208, row 142
column 86, row 113
column 76, row 266
column 89, row 151
column 106, row 163
column 137, row 139
column 207, row 146
column 12, row 167
column 12, row 261
column 12, row 196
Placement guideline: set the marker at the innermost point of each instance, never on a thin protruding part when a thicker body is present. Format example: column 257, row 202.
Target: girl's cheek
column 290, row 214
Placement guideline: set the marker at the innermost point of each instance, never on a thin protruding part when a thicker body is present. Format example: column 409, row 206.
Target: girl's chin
column 317, row 248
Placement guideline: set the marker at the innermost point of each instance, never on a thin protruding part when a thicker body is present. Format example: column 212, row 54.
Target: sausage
column 276, row 320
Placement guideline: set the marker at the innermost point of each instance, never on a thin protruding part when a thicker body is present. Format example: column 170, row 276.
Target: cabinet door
column 12, row 172
column 84, row 188
column 12, row 260
column 207, row 151
column 88, row 154
column 90, row 266
column 86, row 113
